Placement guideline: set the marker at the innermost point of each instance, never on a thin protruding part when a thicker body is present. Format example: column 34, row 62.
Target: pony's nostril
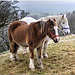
column 56, row 40
column 67, row 33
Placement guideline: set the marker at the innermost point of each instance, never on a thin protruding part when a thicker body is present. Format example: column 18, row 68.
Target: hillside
column 61, row 59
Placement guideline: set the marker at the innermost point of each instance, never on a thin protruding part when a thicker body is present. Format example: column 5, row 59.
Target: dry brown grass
column 61, row 60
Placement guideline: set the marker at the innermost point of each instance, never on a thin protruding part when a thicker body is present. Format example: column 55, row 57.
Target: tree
column 8, row 13
column 71, row 20
column 23, row 14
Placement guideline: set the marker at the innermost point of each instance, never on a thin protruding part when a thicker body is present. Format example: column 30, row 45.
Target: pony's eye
column 63, row 22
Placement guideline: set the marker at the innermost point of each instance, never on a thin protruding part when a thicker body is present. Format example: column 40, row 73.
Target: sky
column 47, row 0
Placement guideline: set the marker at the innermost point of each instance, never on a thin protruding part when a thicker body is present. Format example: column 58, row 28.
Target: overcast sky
column 47, row 0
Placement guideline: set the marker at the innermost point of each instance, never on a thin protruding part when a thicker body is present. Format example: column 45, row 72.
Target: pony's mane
column 42, row 23
column 52, row 17
column 38, row 24
column 58, row 18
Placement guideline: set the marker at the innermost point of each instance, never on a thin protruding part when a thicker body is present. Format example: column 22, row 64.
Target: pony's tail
column 9, row 35
column 11, row 29
column 13, row 26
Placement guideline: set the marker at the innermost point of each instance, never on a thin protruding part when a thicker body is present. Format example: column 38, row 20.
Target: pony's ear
column 49, row 20
column 62, row 16
column 54, row 19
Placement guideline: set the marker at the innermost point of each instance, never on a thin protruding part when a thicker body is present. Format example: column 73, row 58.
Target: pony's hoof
column 14, row 60
column 45, row 56
column 41, row 67
column 42, row 57
column 13, row 57
column 33, row 69
column 24, row 52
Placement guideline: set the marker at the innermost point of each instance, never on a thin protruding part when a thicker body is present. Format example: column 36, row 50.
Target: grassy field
column 61, row 60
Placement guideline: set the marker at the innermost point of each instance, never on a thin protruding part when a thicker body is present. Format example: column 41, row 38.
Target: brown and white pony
column 32, row 35
column 63, row 25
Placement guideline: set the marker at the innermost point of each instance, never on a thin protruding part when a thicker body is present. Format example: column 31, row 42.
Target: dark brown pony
column 20, row 33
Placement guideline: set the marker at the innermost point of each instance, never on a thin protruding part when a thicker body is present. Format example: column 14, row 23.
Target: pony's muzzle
column 56, row 39
column 68, row 32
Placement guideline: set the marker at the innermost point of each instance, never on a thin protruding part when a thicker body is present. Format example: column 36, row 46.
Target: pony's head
column 64, row 25
column 52, row 30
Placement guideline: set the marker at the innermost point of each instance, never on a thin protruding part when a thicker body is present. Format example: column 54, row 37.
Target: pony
column 62, row 22
column 63, row 25
column 32, row 35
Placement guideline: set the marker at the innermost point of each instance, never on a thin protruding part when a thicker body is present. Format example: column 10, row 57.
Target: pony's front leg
column 39, row 59
column 31, row 64
column 45, row 49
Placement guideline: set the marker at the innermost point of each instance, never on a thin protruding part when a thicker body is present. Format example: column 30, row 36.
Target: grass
column 61, row 60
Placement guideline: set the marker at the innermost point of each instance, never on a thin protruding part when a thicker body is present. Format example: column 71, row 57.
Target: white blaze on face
column 56, row 32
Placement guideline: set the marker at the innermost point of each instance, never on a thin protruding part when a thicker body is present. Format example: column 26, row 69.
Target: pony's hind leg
column 13, row 50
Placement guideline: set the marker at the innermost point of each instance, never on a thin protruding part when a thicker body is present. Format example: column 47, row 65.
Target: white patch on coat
column 13, row 57
column 31, row 64
column 56, row 32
